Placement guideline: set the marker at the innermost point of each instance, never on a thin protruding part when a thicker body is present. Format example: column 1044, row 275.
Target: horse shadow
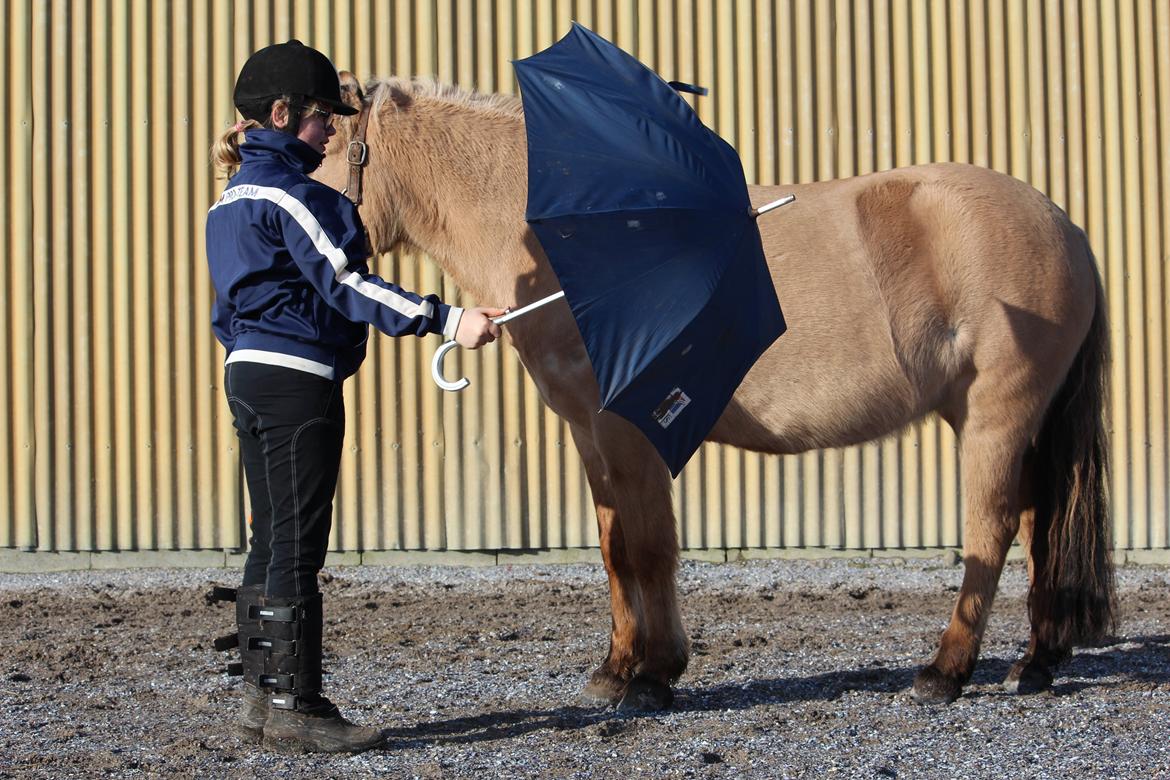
column 610, row 721
column 1143, row 659
column 1136, row 659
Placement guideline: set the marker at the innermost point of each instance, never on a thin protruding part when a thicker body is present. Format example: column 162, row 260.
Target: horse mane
column 381, row 90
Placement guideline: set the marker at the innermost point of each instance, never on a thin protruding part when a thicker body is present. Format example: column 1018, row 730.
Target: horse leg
column 609, row 680
column 640, row 484
column 1066, row 523
column 990, row 458
column 1033, row 672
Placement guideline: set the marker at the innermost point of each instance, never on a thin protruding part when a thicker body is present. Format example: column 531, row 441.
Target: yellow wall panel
column 115, row 434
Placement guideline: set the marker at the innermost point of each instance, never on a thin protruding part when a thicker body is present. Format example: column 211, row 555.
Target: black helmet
column 292, row 69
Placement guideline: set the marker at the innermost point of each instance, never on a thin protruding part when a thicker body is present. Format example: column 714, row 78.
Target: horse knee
column 612, row 540
column 655, row 565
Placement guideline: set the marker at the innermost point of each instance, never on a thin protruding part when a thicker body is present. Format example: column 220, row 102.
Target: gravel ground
column 799, row 669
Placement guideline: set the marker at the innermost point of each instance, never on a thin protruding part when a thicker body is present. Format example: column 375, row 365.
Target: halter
column 357, row 154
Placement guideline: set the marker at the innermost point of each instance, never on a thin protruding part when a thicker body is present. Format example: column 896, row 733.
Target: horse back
column 899, row 288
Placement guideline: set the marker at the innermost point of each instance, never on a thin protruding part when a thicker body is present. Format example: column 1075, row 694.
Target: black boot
column 299, row 717
column 253, row 710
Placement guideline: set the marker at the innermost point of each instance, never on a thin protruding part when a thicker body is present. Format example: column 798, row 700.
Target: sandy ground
column 799, row 669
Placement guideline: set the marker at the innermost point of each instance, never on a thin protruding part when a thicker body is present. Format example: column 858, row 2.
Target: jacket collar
column 261, row 144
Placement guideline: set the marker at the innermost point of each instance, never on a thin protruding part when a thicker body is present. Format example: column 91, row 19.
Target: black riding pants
column 290, row 424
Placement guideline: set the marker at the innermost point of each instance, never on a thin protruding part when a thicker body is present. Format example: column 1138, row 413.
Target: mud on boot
column 315, row 725
column 299, row 717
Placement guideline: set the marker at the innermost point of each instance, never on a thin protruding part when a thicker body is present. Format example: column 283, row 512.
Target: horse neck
column 459, row 193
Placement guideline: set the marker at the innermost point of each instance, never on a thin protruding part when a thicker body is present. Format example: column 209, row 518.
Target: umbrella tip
column 682, row 86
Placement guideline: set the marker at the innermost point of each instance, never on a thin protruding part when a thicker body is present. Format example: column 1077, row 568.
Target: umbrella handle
column 437, row 369
column 441, row 352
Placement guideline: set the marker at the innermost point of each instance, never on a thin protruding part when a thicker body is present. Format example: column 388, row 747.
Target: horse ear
column 351, row 90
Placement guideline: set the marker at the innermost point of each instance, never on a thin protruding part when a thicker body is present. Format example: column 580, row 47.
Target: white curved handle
column 441, row 352
column 437, row 369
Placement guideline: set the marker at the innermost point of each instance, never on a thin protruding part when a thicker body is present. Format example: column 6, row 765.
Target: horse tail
column 1072, row 599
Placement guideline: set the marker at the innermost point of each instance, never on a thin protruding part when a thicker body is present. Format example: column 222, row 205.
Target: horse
column 943, row 288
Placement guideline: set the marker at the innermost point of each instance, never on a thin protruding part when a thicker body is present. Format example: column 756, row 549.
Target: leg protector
column 254, row 705
column 299, row 717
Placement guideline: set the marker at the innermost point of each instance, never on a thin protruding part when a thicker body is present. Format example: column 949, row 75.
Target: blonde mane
column 380, row 90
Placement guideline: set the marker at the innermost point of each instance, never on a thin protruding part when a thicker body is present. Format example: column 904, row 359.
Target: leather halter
column 357, row 154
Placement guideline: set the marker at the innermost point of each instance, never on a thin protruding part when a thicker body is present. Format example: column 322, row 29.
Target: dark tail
column 1072, row 600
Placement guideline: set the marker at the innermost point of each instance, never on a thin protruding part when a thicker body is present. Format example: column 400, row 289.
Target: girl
column 294, row 299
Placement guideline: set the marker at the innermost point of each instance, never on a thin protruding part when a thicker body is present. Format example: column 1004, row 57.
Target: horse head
column 445, row 173
column 379, row 192
column 445, row 170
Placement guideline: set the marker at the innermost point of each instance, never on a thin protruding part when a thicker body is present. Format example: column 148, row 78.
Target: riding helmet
column 287, row 69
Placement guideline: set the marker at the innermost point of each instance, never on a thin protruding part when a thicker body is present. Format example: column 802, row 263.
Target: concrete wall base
column 36, row 561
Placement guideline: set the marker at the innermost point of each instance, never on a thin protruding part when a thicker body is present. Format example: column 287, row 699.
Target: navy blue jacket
column 288, row 261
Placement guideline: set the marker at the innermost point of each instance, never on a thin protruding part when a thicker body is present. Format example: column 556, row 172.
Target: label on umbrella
column 670, row 407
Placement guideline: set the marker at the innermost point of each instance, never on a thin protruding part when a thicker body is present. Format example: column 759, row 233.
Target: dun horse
column 939, row 288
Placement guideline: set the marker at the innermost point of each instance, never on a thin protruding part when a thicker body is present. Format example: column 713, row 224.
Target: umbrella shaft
column 525, row 309
column 773, row 205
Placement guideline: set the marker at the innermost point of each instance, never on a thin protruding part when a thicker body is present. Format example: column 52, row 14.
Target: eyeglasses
column 326, row 116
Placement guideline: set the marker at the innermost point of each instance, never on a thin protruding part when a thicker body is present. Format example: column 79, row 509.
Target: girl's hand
column 476, row 327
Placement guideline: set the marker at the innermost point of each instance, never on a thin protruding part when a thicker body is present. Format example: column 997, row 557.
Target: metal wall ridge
column 115, row 435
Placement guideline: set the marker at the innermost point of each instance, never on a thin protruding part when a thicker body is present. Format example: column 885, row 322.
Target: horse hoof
column 605, row 687
column 1028, row 676
column 933, row 687
column 646, row 695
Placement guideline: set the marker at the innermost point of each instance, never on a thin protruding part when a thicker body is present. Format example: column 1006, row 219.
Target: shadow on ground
column 1133, row 659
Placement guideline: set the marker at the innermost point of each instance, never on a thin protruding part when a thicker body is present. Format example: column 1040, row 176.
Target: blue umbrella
column 644, row 215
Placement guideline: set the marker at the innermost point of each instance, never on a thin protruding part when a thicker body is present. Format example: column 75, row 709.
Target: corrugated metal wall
column 114, row 432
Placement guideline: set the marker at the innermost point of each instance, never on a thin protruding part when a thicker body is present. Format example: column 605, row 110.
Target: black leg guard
column 254, row 706
column 299, row 717
column 291, row 669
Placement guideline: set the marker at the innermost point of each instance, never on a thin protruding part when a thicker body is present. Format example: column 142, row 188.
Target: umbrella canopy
column 644, row 215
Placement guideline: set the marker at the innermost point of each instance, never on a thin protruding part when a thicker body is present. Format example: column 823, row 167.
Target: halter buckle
column 356, row 153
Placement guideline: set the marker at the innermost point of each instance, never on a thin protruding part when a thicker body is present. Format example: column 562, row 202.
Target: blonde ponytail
column 225, row 152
